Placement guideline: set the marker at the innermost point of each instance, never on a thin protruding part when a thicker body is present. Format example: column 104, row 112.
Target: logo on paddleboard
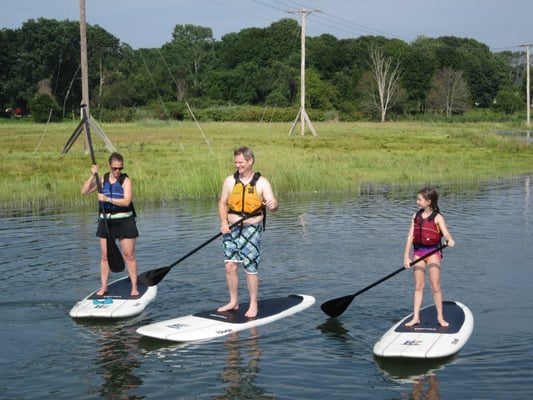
column 177, row 326
column 100, row 303
column 413, row 342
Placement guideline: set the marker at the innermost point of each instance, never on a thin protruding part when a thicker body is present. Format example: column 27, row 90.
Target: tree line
column 369, row 77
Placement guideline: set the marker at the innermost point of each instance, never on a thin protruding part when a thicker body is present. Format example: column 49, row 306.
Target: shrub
column 44, row 108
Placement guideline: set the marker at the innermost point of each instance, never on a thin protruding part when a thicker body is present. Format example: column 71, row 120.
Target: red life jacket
column 426, row 232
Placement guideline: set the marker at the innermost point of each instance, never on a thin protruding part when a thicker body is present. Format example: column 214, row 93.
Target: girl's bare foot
column 413, row 322
column 442, row 322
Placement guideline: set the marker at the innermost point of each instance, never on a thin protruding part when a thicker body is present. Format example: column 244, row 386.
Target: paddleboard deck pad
column 212, row 324
column 428, row 339
column 116, row 302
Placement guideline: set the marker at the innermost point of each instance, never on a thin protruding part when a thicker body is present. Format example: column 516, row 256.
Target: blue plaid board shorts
column 242, row 245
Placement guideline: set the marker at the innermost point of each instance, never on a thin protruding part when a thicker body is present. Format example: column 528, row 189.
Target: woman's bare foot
column 134, row 293
column 413, row 322
column 228, row 307
column 442, row 322
column 101, row 292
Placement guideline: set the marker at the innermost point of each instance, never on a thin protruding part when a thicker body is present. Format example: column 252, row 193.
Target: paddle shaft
column 115, row 260
column 399, row 270
column 337, row 306
column 153, row 277
column 190, row 253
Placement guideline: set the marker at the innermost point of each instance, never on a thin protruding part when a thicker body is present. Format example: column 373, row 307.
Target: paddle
column 336, row 307
column 154, row 276
column 114, row 257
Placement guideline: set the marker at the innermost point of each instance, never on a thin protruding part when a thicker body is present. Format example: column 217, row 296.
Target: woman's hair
column 117, row 157
column 432, row 196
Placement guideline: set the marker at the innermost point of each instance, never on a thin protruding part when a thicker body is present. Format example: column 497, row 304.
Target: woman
column 116, row 201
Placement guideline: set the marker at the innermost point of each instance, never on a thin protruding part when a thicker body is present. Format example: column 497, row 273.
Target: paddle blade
column 336, row 307
column 154, row 276
column 114, row 256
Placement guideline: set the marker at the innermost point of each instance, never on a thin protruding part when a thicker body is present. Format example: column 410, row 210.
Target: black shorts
column 124, row 228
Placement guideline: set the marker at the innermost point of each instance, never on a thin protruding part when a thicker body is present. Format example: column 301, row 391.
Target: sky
column 500, row 24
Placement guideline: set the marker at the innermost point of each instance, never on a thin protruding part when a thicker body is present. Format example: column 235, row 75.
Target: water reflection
column 116, row 361
column 420, row 392
column 242, row 368
column 415, row 371
column 334, row 328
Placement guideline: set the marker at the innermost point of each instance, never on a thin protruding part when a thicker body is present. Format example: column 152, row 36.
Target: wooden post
column 302, row 114
column 84, row 68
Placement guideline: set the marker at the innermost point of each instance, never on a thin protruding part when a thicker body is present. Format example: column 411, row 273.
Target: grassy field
column 181, row 160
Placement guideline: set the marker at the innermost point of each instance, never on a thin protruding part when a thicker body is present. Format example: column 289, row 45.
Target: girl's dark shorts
column 124, row 228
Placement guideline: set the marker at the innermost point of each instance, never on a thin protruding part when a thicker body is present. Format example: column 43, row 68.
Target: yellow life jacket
column 244, row 199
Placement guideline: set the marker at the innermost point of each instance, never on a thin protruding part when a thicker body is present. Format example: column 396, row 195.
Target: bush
column 44, row 108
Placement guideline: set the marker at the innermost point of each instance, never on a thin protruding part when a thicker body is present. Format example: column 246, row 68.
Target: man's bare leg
column 232, row 278
column 253, row 287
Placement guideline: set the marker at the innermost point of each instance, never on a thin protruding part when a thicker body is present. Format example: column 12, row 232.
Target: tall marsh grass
column 178, row 160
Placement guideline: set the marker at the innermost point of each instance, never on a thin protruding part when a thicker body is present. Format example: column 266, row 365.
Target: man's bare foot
column 413, row 322
column 251, row 313
column 228, row 307
column 442, row 322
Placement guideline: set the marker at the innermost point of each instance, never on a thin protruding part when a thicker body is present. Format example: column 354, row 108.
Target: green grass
column 177, row 160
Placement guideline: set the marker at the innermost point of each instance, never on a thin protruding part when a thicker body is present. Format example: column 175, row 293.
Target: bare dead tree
column 386, row 75
column 449, row 92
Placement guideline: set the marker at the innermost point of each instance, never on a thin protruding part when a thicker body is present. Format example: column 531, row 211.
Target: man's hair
column 246, row 152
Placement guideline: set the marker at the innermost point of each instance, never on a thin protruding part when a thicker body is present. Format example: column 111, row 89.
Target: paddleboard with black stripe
column 116, row 303
column 211, row 324
column 428, row 339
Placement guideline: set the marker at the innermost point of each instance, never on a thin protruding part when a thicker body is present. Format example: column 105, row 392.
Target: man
column 246, row 195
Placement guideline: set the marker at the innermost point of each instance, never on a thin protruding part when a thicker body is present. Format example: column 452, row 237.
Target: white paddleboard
column 428, row 339
column 212, row 324
column 116, row 303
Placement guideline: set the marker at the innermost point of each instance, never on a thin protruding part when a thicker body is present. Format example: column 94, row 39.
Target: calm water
column 325, row 247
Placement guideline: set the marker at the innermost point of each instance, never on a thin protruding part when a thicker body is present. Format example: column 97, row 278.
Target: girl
column 427, row 228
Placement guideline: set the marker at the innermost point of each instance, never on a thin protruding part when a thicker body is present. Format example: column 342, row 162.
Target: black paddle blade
column 114, row 256
column 336, row 307
column 154, row 276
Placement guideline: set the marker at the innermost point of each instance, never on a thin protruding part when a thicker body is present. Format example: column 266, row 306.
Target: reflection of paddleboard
column 211, row 324
column 428, row 339
column 408, row 370
column 116, row 303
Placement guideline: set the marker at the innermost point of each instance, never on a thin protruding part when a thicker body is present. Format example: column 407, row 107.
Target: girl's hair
column 431, row 195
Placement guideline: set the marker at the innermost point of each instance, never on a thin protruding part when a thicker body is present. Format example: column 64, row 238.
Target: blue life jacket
column 114, row 191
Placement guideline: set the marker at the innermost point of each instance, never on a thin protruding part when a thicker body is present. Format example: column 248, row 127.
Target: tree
column 384, row 90
column 509, row 100
column 189, row 54
column 449, row 92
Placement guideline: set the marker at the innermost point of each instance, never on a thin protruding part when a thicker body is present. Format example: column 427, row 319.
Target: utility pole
column 302, row 114
column 85, row 93
column 84, row 68
column 528, row 84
